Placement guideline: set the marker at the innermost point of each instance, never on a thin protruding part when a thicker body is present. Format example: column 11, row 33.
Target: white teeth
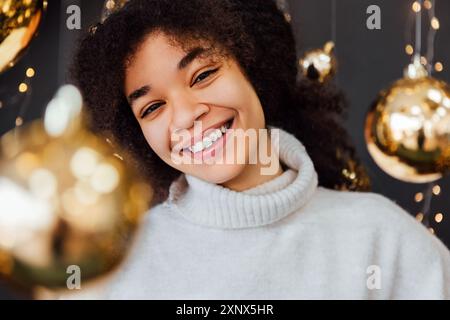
column 209, row 140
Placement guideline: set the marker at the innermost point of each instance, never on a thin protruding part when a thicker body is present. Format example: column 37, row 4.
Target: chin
column 219, row 173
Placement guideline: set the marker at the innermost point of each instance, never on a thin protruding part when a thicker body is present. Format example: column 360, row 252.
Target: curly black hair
column 256, row 34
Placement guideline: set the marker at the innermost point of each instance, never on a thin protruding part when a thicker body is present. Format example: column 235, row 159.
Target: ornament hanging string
column 431, row 37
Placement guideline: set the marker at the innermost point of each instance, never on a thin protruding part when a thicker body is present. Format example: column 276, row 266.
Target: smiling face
column 170, row 90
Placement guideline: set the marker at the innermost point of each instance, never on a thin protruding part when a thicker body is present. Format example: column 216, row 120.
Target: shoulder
column 380, row 216
column 361, row 207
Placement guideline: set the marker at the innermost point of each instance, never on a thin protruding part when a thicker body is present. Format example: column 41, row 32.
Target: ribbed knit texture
column 212, row 205
column 284, row 239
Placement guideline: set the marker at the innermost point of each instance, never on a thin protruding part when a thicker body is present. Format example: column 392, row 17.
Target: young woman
column 176, row 79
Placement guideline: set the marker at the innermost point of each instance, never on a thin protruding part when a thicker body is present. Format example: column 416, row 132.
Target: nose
column 185, row 111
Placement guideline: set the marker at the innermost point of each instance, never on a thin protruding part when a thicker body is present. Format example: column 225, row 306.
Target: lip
column 205, row 132
column 216, row 146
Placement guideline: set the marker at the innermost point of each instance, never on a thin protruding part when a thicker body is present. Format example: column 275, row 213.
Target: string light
column 435, row 23
column 19, row 121
column 419, row 217
column 23, row 87
column 431, row 230
column 430, row 5
column 418, row 197
column 1, row 104
column 416, row 6
column 423, row 60
column 438, row 217
column 110, row 4
column 30, row 72
column 288, row 17
column 436, row 190
column 438, row 67
column 409, row 49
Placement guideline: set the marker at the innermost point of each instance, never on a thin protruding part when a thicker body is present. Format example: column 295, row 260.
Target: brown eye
column 205, row 75
column 150, row 109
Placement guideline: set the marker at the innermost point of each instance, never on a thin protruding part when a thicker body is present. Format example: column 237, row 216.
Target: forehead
column 159, row 54
column 159, row 48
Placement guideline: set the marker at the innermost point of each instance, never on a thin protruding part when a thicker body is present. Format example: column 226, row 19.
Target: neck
column 212, row 205
column 250, row 178
column 252, row 175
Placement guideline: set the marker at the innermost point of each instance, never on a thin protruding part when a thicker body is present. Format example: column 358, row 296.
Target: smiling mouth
column 210, row 139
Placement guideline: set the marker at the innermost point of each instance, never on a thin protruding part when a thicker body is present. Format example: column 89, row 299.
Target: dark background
column 369, row 60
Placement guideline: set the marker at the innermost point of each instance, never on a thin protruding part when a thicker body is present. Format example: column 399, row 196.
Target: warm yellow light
column 19, row 121
column 419, row 217
column 30, row 72
column 409, row 49
column 427, row 4
column 438, row 67
column 418, row 197
column 431, row 230
column 436, row 190
column 110, row 4
column 416, row 6
column 435, row 23
column 423, row 60
column 438, row 217
column 288, row 17
column 23, row 87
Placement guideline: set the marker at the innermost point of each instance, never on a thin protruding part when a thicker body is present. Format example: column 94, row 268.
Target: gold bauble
column 408, row 128
column 112, row 6
column 319, row 64
column 19, row 21
column 66, row 199
column 355, row 175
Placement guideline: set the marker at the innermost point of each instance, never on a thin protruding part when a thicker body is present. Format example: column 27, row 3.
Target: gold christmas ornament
column 319, row 64
column 112, row 6
column 408, row 128
column 356, row 177
column 67, row 200
column 19, row 21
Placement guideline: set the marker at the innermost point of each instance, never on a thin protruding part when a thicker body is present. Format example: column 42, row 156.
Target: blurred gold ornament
column 19, row 21
column 356, row 177
column 65, row 200
column 319, row 64
column 112, row 6
column 408, row 128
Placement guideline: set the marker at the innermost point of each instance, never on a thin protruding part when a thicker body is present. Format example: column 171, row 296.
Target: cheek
column 156, row 136
column 239, row 94
column 231, row 89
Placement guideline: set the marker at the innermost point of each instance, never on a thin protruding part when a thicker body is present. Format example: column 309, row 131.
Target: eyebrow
column 184, row 62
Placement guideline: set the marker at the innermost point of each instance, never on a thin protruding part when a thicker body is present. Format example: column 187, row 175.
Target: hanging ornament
column 319, row 64
column 66, row 199
column 408, row 128
column 112, row 6
column 19, row 21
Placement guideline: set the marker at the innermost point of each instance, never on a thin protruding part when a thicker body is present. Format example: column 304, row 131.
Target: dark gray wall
column 368, row 62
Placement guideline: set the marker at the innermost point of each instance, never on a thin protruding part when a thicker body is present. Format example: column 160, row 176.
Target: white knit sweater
column 285, row 239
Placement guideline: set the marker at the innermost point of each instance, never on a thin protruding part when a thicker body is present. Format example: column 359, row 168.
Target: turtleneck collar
column 212, row 205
